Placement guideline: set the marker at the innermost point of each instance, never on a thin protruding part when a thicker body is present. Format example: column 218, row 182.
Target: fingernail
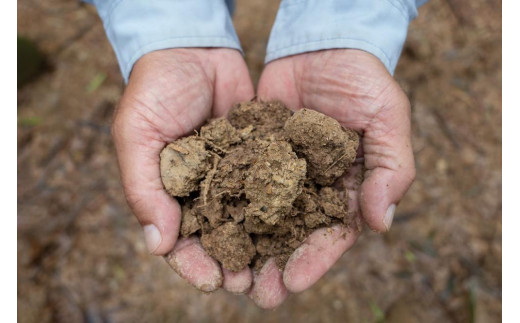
column 152, row 236
column 389, row 216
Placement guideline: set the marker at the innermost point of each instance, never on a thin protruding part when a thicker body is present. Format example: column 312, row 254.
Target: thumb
column 389, row 162
column 138, row 157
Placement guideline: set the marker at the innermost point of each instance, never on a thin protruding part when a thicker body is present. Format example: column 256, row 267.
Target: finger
column 141, row 126
column 389, row 162
column 192, row 263
column 351, row 184
column 268, row 290
column 156, row 211
column 237, row 283
column 316, row 256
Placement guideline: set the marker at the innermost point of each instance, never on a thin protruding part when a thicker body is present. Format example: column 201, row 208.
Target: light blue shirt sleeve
column 375, row 26
column 137, row 27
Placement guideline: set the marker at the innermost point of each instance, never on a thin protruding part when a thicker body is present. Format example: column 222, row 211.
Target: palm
column 353, row 87
column 349, row 85
column 171, row 93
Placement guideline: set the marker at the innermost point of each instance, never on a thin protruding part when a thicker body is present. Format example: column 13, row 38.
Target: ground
column 81, row 254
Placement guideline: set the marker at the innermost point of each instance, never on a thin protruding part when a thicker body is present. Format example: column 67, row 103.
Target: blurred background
column 81, row 253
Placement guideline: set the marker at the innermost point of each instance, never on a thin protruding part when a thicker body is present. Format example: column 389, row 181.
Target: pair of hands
column 171, row 92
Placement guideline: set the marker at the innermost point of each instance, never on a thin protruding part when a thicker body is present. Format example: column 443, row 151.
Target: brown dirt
column 230, row 244
column 328, row 148
column 250, row 196
column 183, row 164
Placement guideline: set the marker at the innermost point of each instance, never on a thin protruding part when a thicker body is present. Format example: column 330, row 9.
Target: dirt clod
column 220, row 133
column 230, row 245
column 267, row 118
column 256, row 186
column 328, row 148
column 184, row 163
column 273, row 182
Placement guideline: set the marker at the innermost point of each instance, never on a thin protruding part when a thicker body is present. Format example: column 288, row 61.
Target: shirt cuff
column 375, row 26
column 136, row 27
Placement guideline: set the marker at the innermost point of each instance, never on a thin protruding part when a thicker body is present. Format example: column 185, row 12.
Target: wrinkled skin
column 355, row 88
column 173, row 91
column 170, row 93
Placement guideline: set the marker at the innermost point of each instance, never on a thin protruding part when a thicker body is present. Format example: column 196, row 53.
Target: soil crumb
column 328, row 148
column 254, row 186
column 183, row 164
column 231, row 245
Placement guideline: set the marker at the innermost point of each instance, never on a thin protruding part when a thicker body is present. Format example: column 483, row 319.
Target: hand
column 353, row 87
column 170, row 93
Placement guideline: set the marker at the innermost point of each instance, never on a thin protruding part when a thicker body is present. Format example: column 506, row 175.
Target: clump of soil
column 254, row 186
column 328, row 148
